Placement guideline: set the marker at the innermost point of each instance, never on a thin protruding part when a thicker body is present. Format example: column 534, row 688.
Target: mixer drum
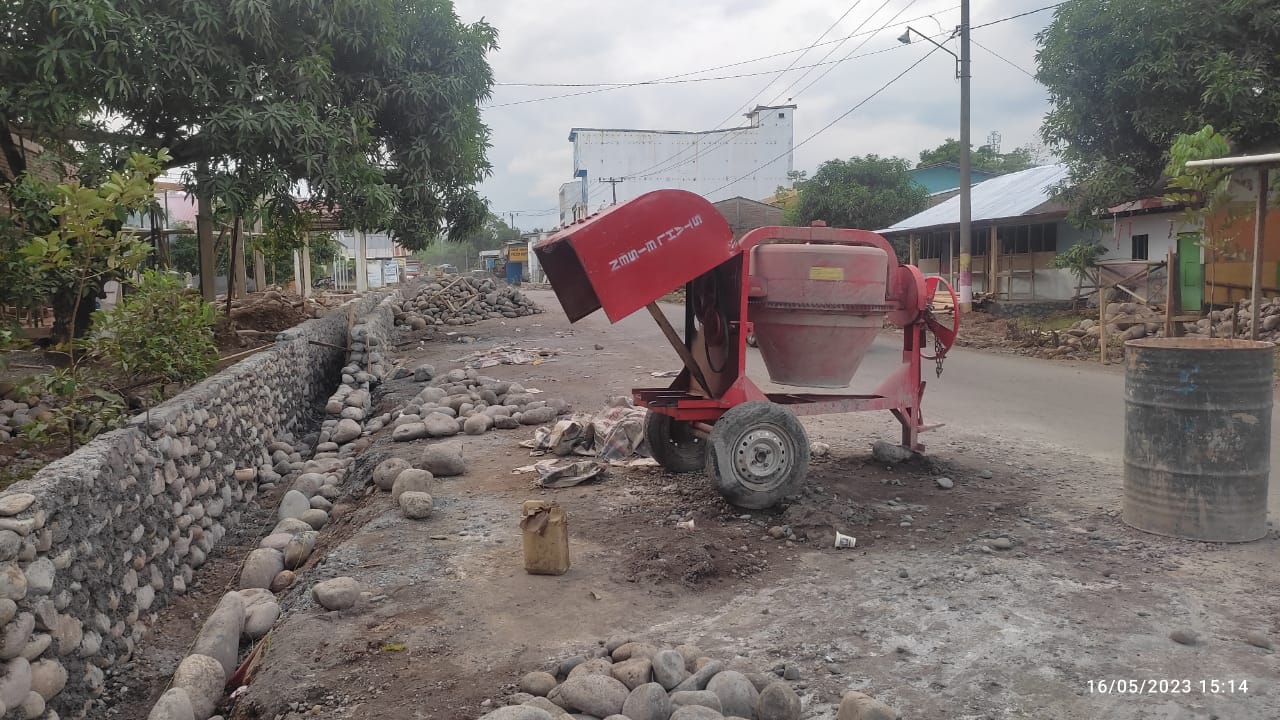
column 822, row 309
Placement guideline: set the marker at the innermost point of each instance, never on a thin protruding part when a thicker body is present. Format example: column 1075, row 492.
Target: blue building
column 942, row 177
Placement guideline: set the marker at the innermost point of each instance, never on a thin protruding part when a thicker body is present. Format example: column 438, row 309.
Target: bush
column 158, row 331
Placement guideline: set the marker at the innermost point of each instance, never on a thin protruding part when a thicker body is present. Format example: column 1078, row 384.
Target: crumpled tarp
column 558, row 474
column 615, row 434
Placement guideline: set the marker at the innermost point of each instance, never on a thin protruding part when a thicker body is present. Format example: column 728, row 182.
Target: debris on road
column 507, row 355
column 463, row 301
column 616, row 434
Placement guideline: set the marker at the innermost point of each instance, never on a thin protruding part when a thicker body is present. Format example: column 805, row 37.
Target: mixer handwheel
column 759, row 454
column 673, row 443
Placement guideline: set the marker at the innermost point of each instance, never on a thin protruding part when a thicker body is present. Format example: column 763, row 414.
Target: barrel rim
column 1208, row 344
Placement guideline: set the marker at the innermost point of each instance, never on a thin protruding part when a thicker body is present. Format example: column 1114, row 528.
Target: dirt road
column 1017, row 594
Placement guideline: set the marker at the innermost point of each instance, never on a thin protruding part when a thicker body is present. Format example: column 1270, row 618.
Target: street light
column 962, row 72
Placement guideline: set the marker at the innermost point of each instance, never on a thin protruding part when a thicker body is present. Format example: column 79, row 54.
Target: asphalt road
column 1075, row 406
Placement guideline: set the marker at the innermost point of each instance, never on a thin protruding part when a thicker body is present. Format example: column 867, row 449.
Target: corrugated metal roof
column 1006, row 196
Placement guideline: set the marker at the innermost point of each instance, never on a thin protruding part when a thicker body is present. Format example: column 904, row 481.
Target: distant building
column 941, row 177
column 746, row 215
column 751, row 161
column 1016, row 230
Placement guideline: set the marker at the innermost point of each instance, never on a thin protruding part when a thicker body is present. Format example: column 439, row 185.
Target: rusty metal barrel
column 1197, row 437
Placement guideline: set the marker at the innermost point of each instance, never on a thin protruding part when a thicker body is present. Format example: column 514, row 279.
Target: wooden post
column 993, row 265
column 911, row 250
column 305, row 279
column 1102, row 318
column 238, row 280
column 1173, row 297
column 259, row 271
column 1259, row 231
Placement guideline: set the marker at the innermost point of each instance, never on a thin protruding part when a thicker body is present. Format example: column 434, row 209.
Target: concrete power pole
column 613, row 184
column 966, row 244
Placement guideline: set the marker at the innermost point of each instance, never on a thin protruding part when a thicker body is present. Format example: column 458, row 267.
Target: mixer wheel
column 673, row 443
column 759, row 454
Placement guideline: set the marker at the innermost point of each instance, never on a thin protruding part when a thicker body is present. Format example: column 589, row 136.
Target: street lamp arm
column 905, row 39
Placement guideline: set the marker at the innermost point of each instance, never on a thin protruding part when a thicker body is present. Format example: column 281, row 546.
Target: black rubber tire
column 673, row 444
column 778, row 459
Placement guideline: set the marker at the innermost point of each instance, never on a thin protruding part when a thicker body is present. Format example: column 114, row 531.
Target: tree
column 1126, row 77
column 87, row 246
column 868, row 193
column 985, row 157
column 373, row 104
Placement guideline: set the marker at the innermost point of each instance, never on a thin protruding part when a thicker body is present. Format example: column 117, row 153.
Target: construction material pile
column 1134, row 321
column 463, row 300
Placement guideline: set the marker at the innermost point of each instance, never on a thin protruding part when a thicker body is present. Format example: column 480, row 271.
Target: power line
column 835, row 48
column 733, row 136
column 1009, row 62
column 855, row 49
column 1015, row 17
column 828, row 126
column 603, row 87
column 655, row 168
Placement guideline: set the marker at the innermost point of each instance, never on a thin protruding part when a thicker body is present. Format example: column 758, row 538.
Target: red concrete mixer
column 814, row 297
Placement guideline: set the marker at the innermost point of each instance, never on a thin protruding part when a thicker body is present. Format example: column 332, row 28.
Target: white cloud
column 580, row 41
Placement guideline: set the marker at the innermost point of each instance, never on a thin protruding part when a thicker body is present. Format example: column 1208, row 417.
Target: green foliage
column 985, row 157
column 157, row 331
column 493, row 233
column 1080, row 258
column 373, row 104
column 83, row 407
column 1126, row 77
column 868, row 192
column 87, row 247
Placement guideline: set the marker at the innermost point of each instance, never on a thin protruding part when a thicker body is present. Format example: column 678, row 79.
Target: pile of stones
column 641, row 681
column 464, row 401
column 410, row 486
column 463, row 301
column 14, row 416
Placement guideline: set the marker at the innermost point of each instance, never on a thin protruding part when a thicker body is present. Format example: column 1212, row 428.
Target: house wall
column 1161, row 230
column 744, row 215
column 700, row 162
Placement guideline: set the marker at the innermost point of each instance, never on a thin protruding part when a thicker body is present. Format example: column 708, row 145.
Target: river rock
column 416, row 505
column 315, row 518
column 299, row 548
column 440, row 425
column 219, row 638
column 411, row 480
column 860, row 706
column 443, row 460
column 668, row 668
column 260, row 568
column 292, row 505
column 647, row 702
column 48, row 677
column 705, row 698
column 538, row 416
column 778, row 702
column 409, row 432
column 537, row 683
column 33, row 707
column 698, row 680
column 634, row 650
column 345, row 431
column 690, row 653
column 887, row 452
column 202, row 677
column 517, row 712
column 339, row 593
column 384, row 475
column 552, row 709
column 260, row 612
column 15, row 635
column 695, row 712
column 14, row 503
column 477, row 424
column 633, row 673
column 282, row 581
column 174, row 704
column 737, row 695
column 596, row 666
column 13, row 583
column 598, row 695
column 16, row 682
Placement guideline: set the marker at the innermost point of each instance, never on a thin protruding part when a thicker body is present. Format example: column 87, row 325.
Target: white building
column 750, row 161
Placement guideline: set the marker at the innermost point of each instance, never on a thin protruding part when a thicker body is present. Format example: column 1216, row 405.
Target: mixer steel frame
column 901, row 393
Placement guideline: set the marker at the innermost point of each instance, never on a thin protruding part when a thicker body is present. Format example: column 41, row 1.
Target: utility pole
column 966, row 246
column 613, row 183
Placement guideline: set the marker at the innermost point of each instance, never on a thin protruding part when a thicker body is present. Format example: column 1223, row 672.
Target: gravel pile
column 464, row 401
column 463, row 301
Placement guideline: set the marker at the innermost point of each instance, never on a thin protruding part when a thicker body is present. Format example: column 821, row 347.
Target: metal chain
column 938, row 351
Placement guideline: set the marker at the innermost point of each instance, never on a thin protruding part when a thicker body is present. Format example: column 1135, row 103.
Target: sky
column 607, row 41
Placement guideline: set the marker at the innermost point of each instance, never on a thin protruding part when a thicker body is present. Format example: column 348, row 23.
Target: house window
column 1139, row 247
column 782, row 116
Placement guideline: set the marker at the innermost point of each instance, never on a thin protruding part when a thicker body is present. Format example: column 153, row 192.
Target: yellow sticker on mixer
column 826, row 273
